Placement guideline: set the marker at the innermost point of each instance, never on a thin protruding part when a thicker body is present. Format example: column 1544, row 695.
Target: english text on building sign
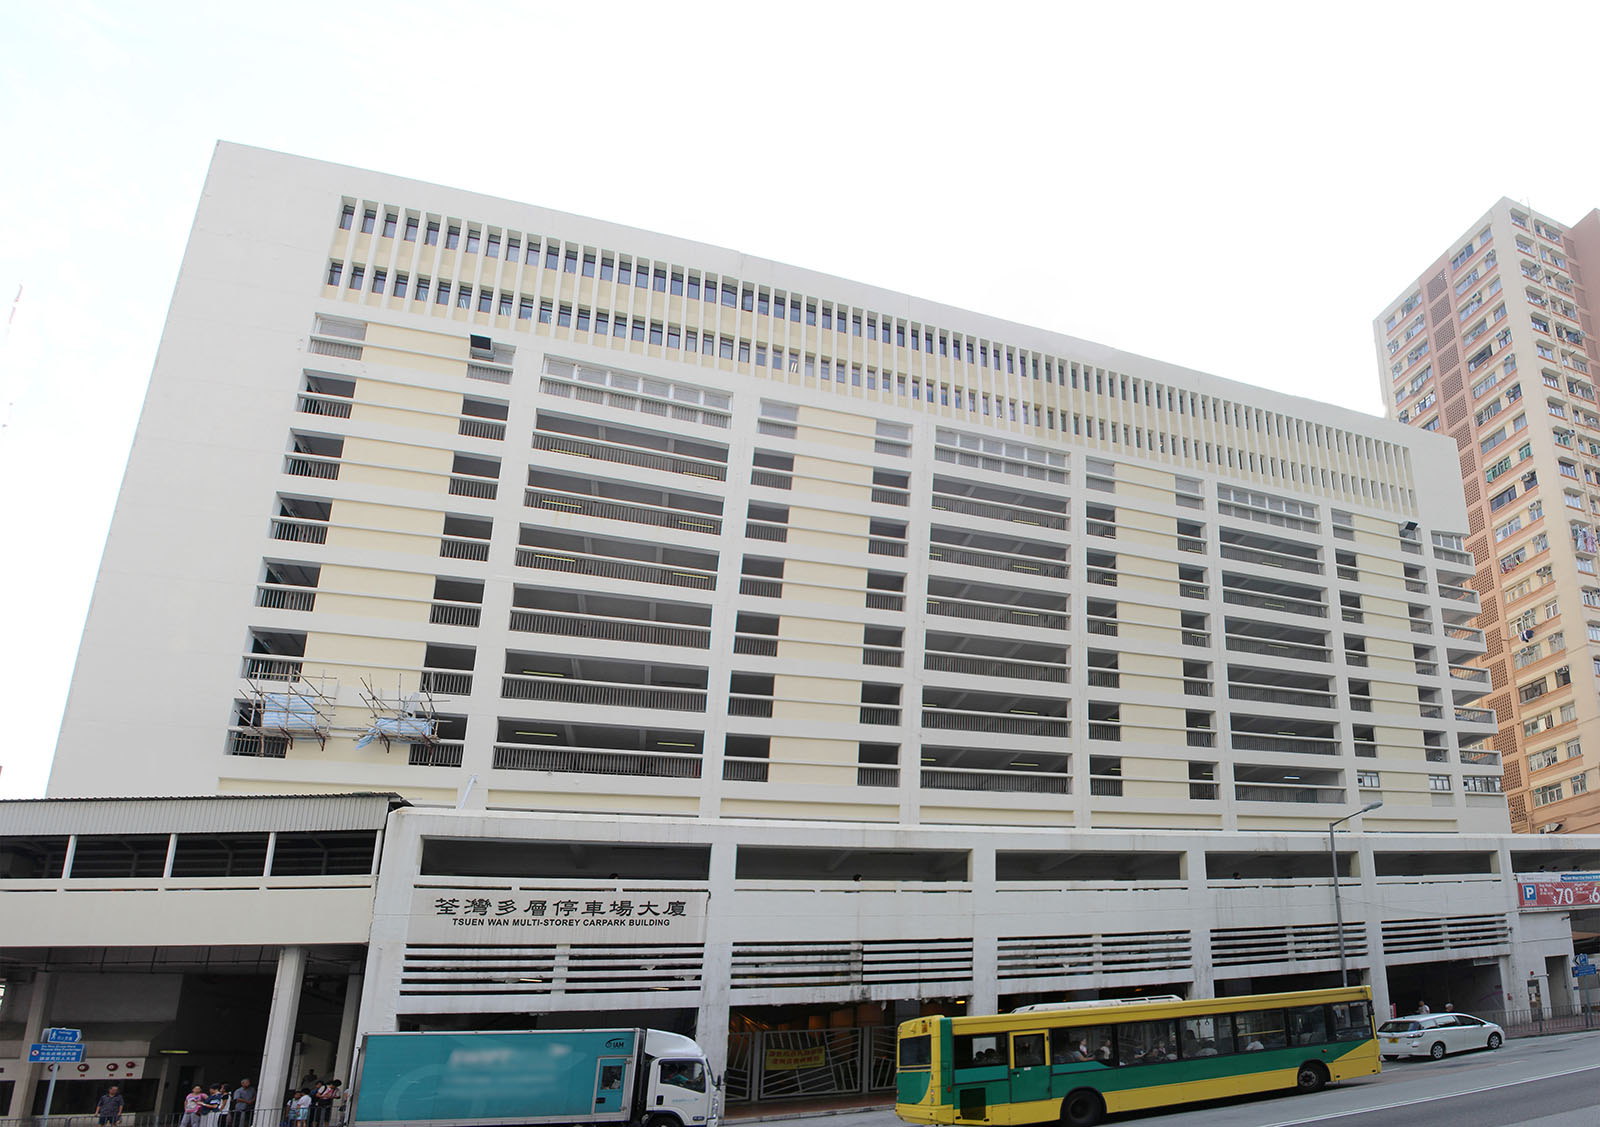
column 1559, row 892
column 473, row 915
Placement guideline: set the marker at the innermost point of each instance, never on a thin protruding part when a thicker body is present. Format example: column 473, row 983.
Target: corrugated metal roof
column 230, row 813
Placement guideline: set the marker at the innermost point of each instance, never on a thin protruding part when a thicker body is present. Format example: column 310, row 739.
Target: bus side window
column 1146, row 1042
column 1255, row 1030
column 1200, row 1036
column 1027, row 1050
column 1075, row 1044
column 1352, row 1021
column 976, row 1051
column 1307, row 1026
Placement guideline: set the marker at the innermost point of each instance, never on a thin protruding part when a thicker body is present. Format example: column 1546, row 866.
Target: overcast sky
column 1236, row 188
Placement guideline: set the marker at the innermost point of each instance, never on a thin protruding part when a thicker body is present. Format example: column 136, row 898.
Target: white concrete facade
column 939, row 657
column 1005, row 578
column 980, row 930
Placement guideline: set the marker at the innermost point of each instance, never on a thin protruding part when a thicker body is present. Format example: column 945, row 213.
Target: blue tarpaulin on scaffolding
column 289, row 712
column 398, row 728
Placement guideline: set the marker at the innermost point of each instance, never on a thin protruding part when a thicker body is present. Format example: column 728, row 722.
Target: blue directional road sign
column 55, row 1054
column 63, row 1036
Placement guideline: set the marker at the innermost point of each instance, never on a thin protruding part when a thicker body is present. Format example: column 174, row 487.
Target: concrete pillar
column 344, row 1056
column 33, row 1030
column 1203, row 916
column 281, row 1019
column 984, row 927
column 711, row 1017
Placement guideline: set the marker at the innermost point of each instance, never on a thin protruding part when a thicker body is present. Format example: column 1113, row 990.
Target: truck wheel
column 662, row 1121
column 1083, row 1108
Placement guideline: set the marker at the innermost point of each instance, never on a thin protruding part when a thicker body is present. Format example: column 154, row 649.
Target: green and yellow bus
column 1076, row 1062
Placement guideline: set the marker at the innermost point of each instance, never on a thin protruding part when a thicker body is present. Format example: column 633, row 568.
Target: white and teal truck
column 634, row 1077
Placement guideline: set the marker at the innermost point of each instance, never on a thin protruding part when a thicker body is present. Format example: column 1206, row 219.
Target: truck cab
column 681, row 1090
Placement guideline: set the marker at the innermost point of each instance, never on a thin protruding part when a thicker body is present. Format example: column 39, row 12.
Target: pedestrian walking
column 109, row 1109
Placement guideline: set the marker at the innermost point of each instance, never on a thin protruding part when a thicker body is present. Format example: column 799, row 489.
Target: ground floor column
column 281, row 1019
column 33, row 1031
column 344, row 1057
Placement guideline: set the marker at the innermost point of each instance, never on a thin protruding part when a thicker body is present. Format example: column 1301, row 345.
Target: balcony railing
column 1013, row 782
column 281, row 597
column 1288, row 603
column 311, row 465
column 329, row 406
column 1298, row 697
column 1476, row 715
column 995, row 667
column 878, row 777
column 481, row 428
column 1245, row 792
column 596, row 761
column 1299, row 651
column 996, row 561
column 1298, row 745
column 481, row 487
column 1003, row 723
column 744, row 770
column 272, row 668
column 757, row 645
column 611, row 629
column 256, row 745
column 762, row 588
column 516, row 686
column 628, row 456
column 463, row 548
column 885, row 600
column 454, row 614
column 447, row 754
column 992, row 612
column 1004, row 513
column 739, row 705
column 300, row 531
column 577, row 505
column 615, row 569
column 446, row 682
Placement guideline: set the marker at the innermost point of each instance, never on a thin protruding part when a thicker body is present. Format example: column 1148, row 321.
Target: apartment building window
column 1438, row 783
column 1580, row 784
column 422, row 290
column 368, row 219
column 432, row 237
column 390, row 221
column 452, row 237
column 411, row 229
column 380, row 279
column 1539, row 760
column 358, row 275
column 335, row 272
column 401, row 281
column 1545, row 795
column 492, row 248
column 347, row 216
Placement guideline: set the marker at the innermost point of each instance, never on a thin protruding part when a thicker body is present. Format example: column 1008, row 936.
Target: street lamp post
column 1333, row 862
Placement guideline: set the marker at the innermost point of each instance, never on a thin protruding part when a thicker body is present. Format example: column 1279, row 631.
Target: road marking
column 1432, row 1099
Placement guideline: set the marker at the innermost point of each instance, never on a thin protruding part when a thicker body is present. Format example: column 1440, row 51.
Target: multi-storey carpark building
column 912, row 653
column 1493, row 345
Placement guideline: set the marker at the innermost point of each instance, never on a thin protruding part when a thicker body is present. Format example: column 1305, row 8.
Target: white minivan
column 1434, row 1035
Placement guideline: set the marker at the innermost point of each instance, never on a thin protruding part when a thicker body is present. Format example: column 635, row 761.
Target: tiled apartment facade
column 1493, row 345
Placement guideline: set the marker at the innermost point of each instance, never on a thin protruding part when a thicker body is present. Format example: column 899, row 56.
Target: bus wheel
column 1083, row 1108
column 1311, row 1077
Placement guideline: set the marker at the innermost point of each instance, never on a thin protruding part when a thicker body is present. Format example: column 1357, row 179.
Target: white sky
column 1236, row 188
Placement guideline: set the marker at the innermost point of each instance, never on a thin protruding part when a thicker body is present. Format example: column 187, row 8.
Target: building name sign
column 1568, row 890
column 475, row 915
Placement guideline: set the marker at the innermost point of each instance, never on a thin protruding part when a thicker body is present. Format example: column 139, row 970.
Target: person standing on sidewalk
column 109, row 1109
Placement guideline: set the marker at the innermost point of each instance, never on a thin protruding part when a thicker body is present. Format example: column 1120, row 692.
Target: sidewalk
column 804, row 1109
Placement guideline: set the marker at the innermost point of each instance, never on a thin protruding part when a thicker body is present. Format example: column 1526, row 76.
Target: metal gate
column 815, row 1063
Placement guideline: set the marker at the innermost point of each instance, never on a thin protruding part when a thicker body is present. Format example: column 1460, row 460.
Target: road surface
column 1531, row 1082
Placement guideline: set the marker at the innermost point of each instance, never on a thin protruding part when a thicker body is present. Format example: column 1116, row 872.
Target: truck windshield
column 690, row 1074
